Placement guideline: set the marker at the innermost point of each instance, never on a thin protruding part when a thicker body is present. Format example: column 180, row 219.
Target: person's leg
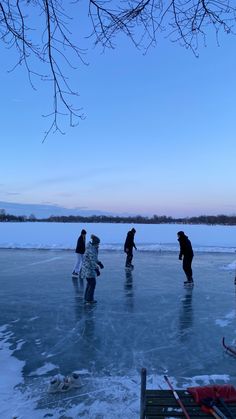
column 129, row 259
column 89, row 292
column 187, row 262
column 78, row 263
column 86, row 290
column 92, row 288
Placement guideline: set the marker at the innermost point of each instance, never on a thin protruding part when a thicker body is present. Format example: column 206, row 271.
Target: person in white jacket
column 90, row 268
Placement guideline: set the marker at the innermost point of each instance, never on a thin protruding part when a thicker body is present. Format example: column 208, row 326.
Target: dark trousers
column 89, row 292
column 129, row 258
column 187, row 267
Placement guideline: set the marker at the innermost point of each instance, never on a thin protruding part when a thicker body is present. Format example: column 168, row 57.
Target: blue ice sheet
column 144, row 318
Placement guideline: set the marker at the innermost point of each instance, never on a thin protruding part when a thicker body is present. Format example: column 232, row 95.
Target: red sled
column 227, row 392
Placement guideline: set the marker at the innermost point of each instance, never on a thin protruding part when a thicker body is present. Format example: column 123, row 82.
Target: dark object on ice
column 231, row 350
column 156, row 403
column 186, row 252
column 128, row 247
column 209, row 405
column 227, row 410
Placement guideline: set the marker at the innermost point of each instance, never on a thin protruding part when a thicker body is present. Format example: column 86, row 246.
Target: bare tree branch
column 51, row 42
column 182, row 20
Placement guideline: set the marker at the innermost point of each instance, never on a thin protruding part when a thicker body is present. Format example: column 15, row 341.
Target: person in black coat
column 128, row 247
column 80, row 249
column 186, row 252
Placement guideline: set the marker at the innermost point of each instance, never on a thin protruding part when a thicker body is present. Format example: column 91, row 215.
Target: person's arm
column 126, row 245
column 77, row 246
column 181, row 252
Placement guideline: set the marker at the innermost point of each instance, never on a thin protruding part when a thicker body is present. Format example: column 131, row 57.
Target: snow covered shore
column 148, row 237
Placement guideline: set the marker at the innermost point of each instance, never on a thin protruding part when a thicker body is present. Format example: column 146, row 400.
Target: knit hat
column 83, row 231
column 180, row 233
column 95, row 239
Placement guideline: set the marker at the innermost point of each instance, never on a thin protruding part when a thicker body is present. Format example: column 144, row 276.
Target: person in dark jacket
column 186, row 252
column 128, row 247
column 90, row 268
column 80, row 249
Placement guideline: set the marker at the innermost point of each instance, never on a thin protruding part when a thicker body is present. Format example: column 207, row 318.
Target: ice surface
column 144, row 318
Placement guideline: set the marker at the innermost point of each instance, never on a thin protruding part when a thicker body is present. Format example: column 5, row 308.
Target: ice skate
column 74, row 380
column 189, row 282
column 90, row 302
column 58, row 384
column 129, row 267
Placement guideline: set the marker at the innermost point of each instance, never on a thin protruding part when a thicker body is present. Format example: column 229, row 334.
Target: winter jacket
column 129, row 242
column 90, row 261
column 80, row 247
column 185, row 247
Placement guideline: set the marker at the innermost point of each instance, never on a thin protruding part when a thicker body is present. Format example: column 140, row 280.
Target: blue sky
column 158, row 138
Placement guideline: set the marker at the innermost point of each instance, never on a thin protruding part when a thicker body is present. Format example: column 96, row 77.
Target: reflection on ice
column 186, row 314
column 129, row 290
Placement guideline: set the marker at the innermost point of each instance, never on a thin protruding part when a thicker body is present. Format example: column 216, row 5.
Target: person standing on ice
column 186, row 252
column 80, row 249
column 90, row 268
column 128, row 247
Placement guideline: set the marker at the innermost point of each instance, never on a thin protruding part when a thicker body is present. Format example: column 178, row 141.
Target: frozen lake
column 146, row 318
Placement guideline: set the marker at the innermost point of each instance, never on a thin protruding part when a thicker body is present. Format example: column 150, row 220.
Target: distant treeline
column 155, row 219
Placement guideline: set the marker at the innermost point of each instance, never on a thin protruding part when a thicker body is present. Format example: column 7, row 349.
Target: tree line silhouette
column 138, row 219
